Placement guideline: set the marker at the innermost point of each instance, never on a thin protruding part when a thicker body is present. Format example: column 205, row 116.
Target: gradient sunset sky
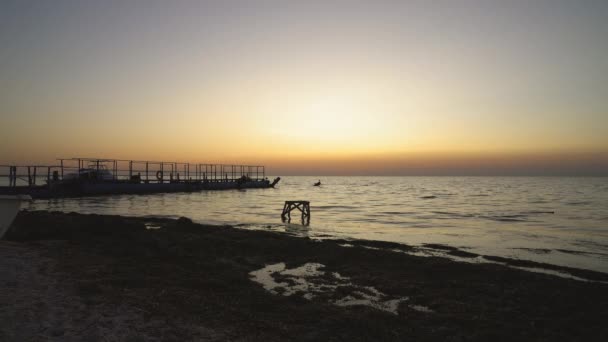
column 310, row 87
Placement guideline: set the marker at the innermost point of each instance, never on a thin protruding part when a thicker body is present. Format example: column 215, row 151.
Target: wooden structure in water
column 92, row 176
column 302, row 206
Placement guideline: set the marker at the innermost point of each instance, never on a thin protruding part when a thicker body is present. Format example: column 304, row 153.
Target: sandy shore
column 71, row 277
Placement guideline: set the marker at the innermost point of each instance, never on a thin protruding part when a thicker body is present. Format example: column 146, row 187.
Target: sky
column 310, row 87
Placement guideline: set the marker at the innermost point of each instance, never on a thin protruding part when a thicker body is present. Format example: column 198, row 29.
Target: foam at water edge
column 310, row 281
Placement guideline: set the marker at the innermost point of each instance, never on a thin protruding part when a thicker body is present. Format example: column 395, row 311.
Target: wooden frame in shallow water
column 302, row 206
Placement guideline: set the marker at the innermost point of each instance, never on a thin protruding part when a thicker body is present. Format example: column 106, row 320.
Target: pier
column 75, row 177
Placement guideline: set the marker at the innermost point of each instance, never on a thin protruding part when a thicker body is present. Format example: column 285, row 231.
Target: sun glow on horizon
column 330, row 118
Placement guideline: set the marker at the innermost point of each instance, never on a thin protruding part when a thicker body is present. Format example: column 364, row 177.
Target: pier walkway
column 93, row 176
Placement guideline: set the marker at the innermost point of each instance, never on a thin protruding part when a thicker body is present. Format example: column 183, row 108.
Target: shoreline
column 177, row 280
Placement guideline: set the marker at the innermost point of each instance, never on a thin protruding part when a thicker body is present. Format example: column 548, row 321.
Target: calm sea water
column 557, row 220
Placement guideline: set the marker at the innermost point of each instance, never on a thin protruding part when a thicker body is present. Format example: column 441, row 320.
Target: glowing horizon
column 473, row 87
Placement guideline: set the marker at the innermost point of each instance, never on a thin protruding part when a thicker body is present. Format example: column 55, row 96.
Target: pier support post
column 302, row 206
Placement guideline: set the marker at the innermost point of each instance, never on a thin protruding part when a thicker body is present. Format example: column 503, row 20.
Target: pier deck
column 92, row 176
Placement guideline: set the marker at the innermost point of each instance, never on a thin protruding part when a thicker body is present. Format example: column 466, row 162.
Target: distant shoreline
column 171, row 279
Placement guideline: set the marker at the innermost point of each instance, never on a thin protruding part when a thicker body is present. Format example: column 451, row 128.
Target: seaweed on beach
column 186, row 281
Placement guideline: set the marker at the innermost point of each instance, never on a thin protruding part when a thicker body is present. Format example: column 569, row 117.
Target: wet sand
column 72, row 277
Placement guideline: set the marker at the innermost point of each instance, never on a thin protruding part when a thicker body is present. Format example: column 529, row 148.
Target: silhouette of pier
column 94, row 176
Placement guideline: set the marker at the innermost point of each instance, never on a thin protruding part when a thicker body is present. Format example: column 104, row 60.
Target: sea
column 556, row 220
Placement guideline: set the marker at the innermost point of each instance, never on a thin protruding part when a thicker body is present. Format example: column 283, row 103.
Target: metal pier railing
column 119, row 170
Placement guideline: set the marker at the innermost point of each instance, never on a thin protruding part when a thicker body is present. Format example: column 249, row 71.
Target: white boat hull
column 9, row 207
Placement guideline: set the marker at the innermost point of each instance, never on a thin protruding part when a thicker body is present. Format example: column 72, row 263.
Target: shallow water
column 557, row 220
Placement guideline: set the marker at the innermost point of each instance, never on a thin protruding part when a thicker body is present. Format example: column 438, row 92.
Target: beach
column 71, row 277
